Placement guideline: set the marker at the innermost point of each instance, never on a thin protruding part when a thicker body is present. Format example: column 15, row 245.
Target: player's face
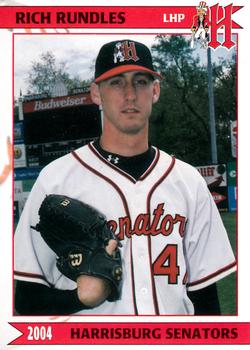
column 127, row 100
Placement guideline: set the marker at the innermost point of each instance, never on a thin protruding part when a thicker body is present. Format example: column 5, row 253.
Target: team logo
column 158, row 223
column 125, row 51
column 208, row 21
column 221, row 18
column 200, row 26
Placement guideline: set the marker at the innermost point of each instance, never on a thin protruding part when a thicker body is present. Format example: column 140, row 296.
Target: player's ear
column 156, row 91
column 95, row 94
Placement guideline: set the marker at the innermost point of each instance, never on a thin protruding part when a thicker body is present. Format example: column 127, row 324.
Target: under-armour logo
column 114, row 160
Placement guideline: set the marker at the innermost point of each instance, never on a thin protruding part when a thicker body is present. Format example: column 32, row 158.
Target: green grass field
column 227, row 286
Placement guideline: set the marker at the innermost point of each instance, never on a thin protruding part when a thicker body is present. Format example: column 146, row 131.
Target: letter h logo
column 129, row 51
column 216, row 24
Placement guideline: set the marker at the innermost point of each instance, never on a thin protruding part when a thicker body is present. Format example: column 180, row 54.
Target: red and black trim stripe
column 104, row 160
column 120, row 171
column 152, row 166
column 125, row 204
column 164, row 176
column 32, row 275
column 207, row 278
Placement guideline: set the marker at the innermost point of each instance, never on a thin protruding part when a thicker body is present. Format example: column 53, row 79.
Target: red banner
column 132, row 333
column 105, row 16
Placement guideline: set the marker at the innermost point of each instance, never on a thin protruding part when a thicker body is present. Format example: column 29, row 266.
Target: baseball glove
column 78, row 234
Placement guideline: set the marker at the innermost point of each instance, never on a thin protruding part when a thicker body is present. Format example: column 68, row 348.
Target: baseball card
column 123, row 174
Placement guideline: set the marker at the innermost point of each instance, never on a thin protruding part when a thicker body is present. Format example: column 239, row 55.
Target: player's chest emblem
column 158, row 223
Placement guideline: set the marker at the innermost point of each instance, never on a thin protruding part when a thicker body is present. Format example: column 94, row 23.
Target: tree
column 180, row 121
column 46, row 72
column 225, row 104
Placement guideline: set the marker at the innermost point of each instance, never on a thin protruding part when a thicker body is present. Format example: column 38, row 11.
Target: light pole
column 214, row 157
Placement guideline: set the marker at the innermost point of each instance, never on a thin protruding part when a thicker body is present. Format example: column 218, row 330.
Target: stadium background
column 48, row 127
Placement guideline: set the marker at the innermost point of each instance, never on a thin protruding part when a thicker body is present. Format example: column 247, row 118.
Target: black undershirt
column 134, row 166
column 38, row 299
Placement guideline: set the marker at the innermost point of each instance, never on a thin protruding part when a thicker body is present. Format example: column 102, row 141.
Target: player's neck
column 124, row 144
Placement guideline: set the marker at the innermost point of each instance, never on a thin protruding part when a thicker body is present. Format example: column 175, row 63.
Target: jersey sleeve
column 208, row 251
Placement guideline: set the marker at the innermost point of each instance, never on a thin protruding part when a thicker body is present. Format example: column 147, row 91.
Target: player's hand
column 92, row 291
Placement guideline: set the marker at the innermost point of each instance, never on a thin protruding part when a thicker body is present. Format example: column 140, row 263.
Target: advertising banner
column 18, row 132
column 232, row 198
column 231, row 174
column 19, row 156
column 214, row 175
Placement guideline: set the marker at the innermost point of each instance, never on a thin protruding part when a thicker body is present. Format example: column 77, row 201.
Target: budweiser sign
column 55, row 103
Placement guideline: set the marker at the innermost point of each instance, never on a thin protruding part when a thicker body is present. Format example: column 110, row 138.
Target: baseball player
column 174, row 247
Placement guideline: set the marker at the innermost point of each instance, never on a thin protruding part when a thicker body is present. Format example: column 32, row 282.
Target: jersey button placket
column 144, row 291
column 140, row 254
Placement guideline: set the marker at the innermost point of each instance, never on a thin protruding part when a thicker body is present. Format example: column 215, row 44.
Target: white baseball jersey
column 172, row 236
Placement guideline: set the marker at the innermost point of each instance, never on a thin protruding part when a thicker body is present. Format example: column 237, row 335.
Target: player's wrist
column 77, row 303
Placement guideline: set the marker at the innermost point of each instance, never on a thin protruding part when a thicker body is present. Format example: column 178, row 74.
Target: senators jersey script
column 173, row 239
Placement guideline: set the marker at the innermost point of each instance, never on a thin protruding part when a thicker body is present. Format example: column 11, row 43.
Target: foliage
column 180, row 121
column 46, row 72
column 16, row 111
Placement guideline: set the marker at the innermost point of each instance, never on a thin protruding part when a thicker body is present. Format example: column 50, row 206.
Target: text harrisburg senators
column 206, row 333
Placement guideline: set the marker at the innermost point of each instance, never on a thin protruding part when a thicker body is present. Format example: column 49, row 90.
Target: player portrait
column 125, row 203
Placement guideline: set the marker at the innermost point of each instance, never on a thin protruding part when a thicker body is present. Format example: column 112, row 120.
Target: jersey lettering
column 160, row 224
